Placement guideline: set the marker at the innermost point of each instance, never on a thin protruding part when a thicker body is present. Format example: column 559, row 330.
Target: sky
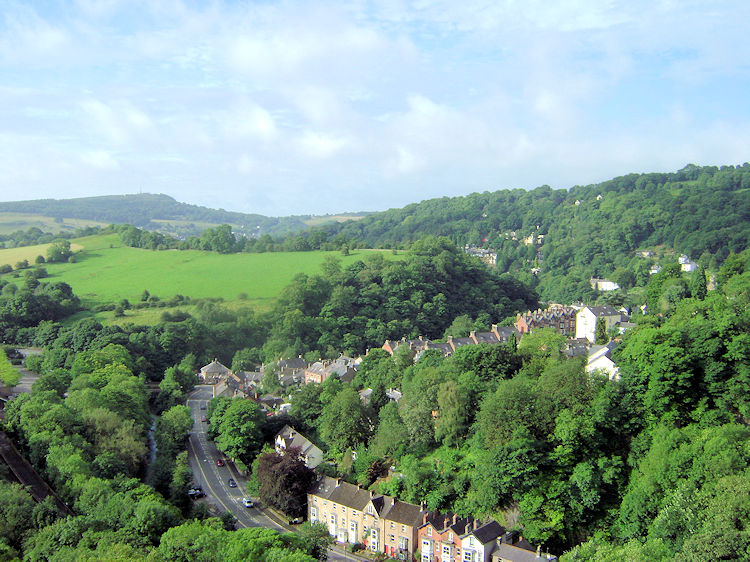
column 315, row 107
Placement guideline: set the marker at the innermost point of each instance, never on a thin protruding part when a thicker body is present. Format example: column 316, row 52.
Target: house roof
column 402, row 512
column 214, row 368
column 514, row 552
column 293, row 363
column 293, row 438
column 603, row 311
column 485, row 337
column 487, row 532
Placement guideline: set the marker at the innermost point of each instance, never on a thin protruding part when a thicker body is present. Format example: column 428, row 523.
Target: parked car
column 220, row 462
column 203, row 419
column 203, row 406
column 295, row 520
column 195, row 493
column 232, row 483
column 247, row 502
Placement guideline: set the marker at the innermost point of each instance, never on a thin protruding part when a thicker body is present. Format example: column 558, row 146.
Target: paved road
column 203, row 455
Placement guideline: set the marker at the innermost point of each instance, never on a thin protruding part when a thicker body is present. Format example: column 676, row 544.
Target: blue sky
column 300, row 107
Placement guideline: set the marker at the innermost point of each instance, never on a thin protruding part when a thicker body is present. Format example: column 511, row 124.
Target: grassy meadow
column 106, row 271
column 10, row 222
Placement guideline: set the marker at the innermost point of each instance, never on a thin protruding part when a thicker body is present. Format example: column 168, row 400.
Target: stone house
column 213, row 372
column 353, row 515
column 562, row 319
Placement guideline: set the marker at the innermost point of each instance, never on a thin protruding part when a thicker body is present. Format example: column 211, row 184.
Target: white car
column 247, row 502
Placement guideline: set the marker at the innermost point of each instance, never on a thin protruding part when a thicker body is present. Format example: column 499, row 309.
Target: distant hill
column 162, row 213
column 565, row 237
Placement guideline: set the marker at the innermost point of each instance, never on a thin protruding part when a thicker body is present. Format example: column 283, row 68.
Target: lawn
column 105, row 271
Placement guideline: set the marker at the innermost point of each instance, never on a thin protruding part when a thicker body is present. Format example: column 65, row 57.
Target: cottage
column 289, row 437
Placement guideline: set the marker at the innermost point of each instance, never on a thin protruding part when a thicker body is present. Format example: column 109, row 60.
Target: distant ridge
column 156, row 212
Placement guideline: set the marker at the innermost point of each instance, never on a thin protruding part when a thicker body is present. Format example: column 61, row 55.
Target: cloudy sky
column 319, row 107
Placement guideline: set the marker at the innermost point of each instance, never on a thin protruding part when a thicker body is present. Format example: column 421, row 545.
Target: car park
column 247, row 502
column 232, row 483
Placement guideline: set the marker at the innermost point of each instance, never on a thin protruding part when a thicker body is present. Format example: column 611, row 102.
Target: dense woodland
column 655, row 466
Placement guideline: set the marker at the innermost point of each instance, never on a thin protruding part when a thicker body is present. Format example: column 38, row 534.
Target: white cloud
column 323, row 103
column 100, row 159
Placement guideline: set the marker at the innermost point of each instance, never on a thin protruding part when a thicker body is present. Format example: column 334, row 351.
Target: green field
column 10, row 222
column 12, row 256
column 105, row 271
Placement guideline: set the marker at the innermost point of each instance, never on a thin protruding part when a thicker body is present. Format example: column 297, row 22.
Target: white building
column 478, row 544
column 587, row 317
column 600, row 360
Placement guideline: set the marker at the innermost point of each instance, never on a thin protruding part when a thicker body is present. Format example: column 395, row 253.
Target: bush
column 5, row 268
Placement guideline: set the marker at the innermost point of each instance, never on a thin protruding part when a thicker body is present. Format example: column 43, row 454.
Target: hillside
column 153, row 212
column 587, row 231
column 105, row 272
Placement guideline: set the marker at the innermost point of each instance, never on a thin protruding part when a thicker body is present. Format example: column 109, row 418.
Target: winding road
column 213, row 479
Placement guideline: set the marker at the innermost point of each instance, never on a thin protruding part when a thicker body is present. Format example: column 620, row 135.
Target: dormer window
column 370, row 509
column 429, row 530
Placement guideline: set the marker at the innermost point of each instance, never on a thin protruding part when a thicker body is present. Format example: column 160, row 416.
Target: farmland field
column 105, row 271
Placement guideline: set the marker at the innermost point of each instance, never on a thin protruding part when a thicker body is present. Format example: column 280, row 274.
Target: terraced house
column 353, row 515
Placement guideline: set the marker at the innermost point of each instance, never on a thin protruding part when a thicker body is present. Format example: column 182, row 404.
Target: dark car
column 295, row 520
column 203, row 406
column 232, row 483
column 220, row 462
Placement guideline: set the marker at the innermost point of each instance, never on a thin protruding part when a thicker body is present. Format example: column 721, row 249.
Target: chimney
column 338, row 482
column 476, row 524
column 445, row 523
column 455, row 518
column 372, row 493
column 424, row 519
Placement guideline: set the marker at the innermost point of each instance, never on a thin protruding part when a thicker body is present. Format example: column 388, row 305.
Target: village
column 382, row 523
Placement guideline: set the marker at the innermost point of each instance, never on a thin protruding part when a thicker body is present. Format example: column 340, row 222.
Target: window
column 393, row 539
column 450, row 537
column 403, row 528
column 314, row 513
column 468, row 555
column 374, row 533
column 370, row 509
column 391, row 524
column 403, row 543
column 315, row 500
column 471, row 541
column 429, row 530
column 333, row 519
column 353, row 526
column 446, row 550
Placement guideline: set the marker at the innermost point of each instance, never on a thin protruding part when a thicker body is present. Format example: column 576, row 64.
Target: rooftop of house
column 487, row 532
column 214, row 368
column 605, row 310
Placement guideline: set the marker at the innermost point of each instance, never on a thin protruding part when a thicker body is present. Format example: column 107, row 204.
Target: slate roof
column 487, row 532
column 293, row 438
column 484, row 337
column 214, row 368
column 402, row 512
column 604, row 311
column 444, row 521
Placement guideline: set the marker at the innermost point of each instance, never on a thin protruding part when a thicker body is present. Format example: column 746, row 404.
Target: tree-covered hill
column 155, row 212
column 594, row 230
